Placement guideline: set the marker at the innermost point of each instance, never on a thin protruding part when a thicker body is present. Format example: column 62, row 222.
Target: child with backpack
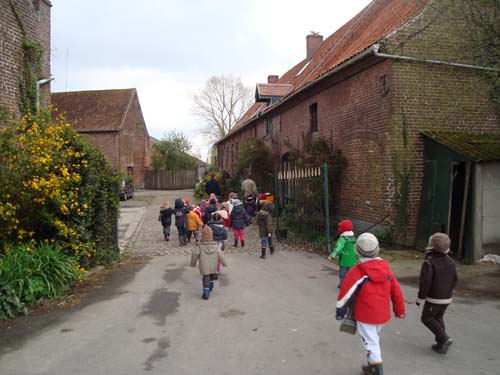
column 264, row 222
column 239, row 219
column 211, row 208
column 180, row 220
column 193, row 223
column 218, row 230
column 208, row 254
column 371, row 286
column 165, row 218
column 344, row 249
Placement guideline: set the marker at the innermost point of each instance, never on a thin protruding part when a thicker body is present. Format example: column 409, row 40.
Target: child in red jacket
column 373, row 286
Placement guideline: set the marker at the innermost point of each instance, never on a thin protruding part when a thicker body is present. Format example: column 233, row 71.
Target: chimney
column 273, row 79
column 313, row 42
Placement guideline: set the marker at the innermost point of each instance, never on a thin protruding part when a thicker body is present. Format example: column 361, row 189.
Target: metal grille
column 303, row 207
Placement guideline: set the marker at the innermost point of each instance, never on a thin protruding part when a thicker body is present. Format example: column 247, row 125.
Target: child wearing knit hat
column 208, row 253
column 438, row 277
column 344, row 249
column 371, row 286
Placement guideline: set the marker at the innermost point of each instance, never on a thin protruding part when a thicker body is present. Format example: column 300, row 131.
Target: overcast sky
column 167, row 49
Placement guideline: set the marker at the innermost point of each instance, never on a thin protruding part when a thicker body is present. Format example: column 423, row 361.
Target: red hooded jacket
column 374, row 286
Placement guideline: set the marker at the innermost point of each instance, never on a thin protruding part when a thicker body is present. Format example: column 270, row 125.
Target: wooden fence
column 170, row 180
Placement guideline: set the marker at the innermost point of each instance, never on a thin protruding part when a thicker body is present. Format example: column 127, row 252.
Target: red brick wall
column 108, row 143
column 36, row 24
column 135, row 149
column 432, row 97
column 375, row 116
column 353, row 114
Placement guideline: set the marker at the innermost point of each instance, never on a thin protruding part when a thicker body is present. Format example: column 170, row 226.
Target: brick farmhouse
column 398, row 76
column 112, row 120
column 22, row 21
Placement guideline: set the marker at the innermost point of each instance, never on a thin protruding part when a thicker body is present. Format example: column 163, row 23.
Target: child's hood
column 262, row 214
column 376, row 269
column 208, row 247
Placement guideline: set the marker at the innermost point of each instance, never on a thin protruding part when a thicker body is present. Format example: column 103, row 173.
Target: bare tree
column 220, row 104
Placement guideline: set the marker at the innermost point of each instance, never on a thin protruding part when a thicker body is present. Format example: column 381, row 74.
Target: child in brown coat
column 208, row 253
column 438, row 277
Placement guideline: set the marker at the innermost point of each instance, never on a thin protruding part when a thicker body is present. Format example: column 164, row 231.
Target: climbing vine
column 31, row 73
column 32, row 68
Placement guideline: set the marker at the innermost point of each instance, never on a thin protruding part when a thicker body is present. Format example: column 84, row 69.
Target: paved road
column 272, row 316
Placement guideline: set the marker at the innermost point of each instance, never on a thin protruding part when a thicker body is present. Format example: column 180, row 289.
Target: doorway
column 460, row 182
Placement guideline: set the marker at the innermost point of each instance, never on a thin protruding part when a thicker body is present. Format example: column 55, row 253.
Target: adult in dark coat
column 213, row 187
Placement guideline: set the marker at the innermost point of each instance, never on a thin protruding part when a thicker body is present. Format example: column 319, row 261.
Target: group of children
column 368, row 285
column 213, row 223
column 366, row 282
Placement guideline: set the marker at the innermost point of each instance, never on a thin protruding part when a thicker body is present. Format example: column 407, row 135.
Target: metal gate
column 303, row 207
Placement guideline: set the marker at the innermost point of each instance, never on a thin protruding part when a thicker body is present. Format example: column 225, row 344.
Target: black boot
column 235, row 243
column 211, row 285
column 242, row 243
column 263, row 256
column 373, row 369
column 271, row 248
column 442, row 347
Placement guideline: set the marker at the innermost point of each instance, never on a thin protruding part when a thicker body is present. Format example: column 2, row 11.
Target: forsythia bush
column 56, row 189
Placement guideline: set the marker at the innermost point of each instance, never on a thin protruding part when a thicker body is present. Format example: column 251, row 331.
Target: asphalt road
column 273, row 316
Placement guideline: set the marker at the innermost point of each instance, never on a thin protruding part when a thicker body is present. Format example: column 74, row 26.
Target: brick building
column 23, row 23
column 111, row 120
column 396, row 70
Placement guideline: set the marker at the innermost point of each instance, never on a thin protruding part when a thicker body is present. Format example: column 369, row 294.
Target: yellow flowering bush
column 54, row 187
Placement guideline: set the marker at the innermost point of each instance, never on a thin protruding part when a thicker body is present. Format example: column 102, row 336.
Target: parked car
column 126, row 190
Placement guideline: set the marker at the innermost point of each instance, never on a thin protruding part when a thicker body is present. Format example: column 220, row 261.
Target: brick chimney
column 273, row 79
column 313, row 42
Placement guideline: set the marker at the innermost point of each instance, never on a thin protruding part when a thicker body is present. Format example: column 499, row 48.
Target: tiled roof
column 292, row 72
column 100, row 110
column 252, row 111
column 273, row 89
column 373, row 23
column 474, row 146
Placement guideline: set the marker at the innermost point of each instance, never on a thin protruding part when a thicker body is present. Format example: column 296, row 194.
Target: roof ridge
column 129, row 104
column 83, row 91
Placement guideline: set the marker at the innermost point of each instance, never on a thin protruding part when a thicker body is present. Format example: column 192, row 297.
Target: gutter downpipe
column 376, row 48
column 39, row 83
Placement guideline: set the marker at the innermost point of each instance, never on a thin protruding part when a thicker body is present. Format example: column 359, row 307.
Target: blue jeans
column 342, row 272
column 266, row 241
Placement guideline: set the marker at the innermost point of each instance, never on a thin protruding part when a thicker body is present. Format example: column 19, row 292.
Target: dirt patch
column 99, row 286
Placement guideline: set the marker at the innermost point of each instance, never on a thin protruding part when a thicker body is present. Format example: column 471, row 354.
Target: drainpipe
column 39, row 83
column 376, row 48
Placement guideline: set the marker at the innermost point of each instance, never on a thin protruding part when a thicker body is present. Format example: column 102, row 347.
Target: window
column 269, row 128
column 313, row 118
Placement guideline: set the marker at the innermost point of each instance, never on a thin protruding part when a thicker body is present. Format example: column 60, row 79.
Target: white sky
column 167, row 49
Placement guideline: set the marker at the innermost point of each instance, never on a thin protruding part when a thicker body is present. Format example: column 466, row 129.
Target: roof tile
column 99, row 110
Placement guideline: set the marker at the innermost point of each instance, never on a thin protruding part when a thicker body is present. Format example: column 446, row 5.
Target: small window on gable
column 36, row 4
column 313, row 118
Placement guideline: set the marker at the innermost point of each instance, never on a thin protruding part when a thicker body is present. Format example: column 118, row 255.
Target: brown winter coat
column 264, row 222
column 208, row 253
